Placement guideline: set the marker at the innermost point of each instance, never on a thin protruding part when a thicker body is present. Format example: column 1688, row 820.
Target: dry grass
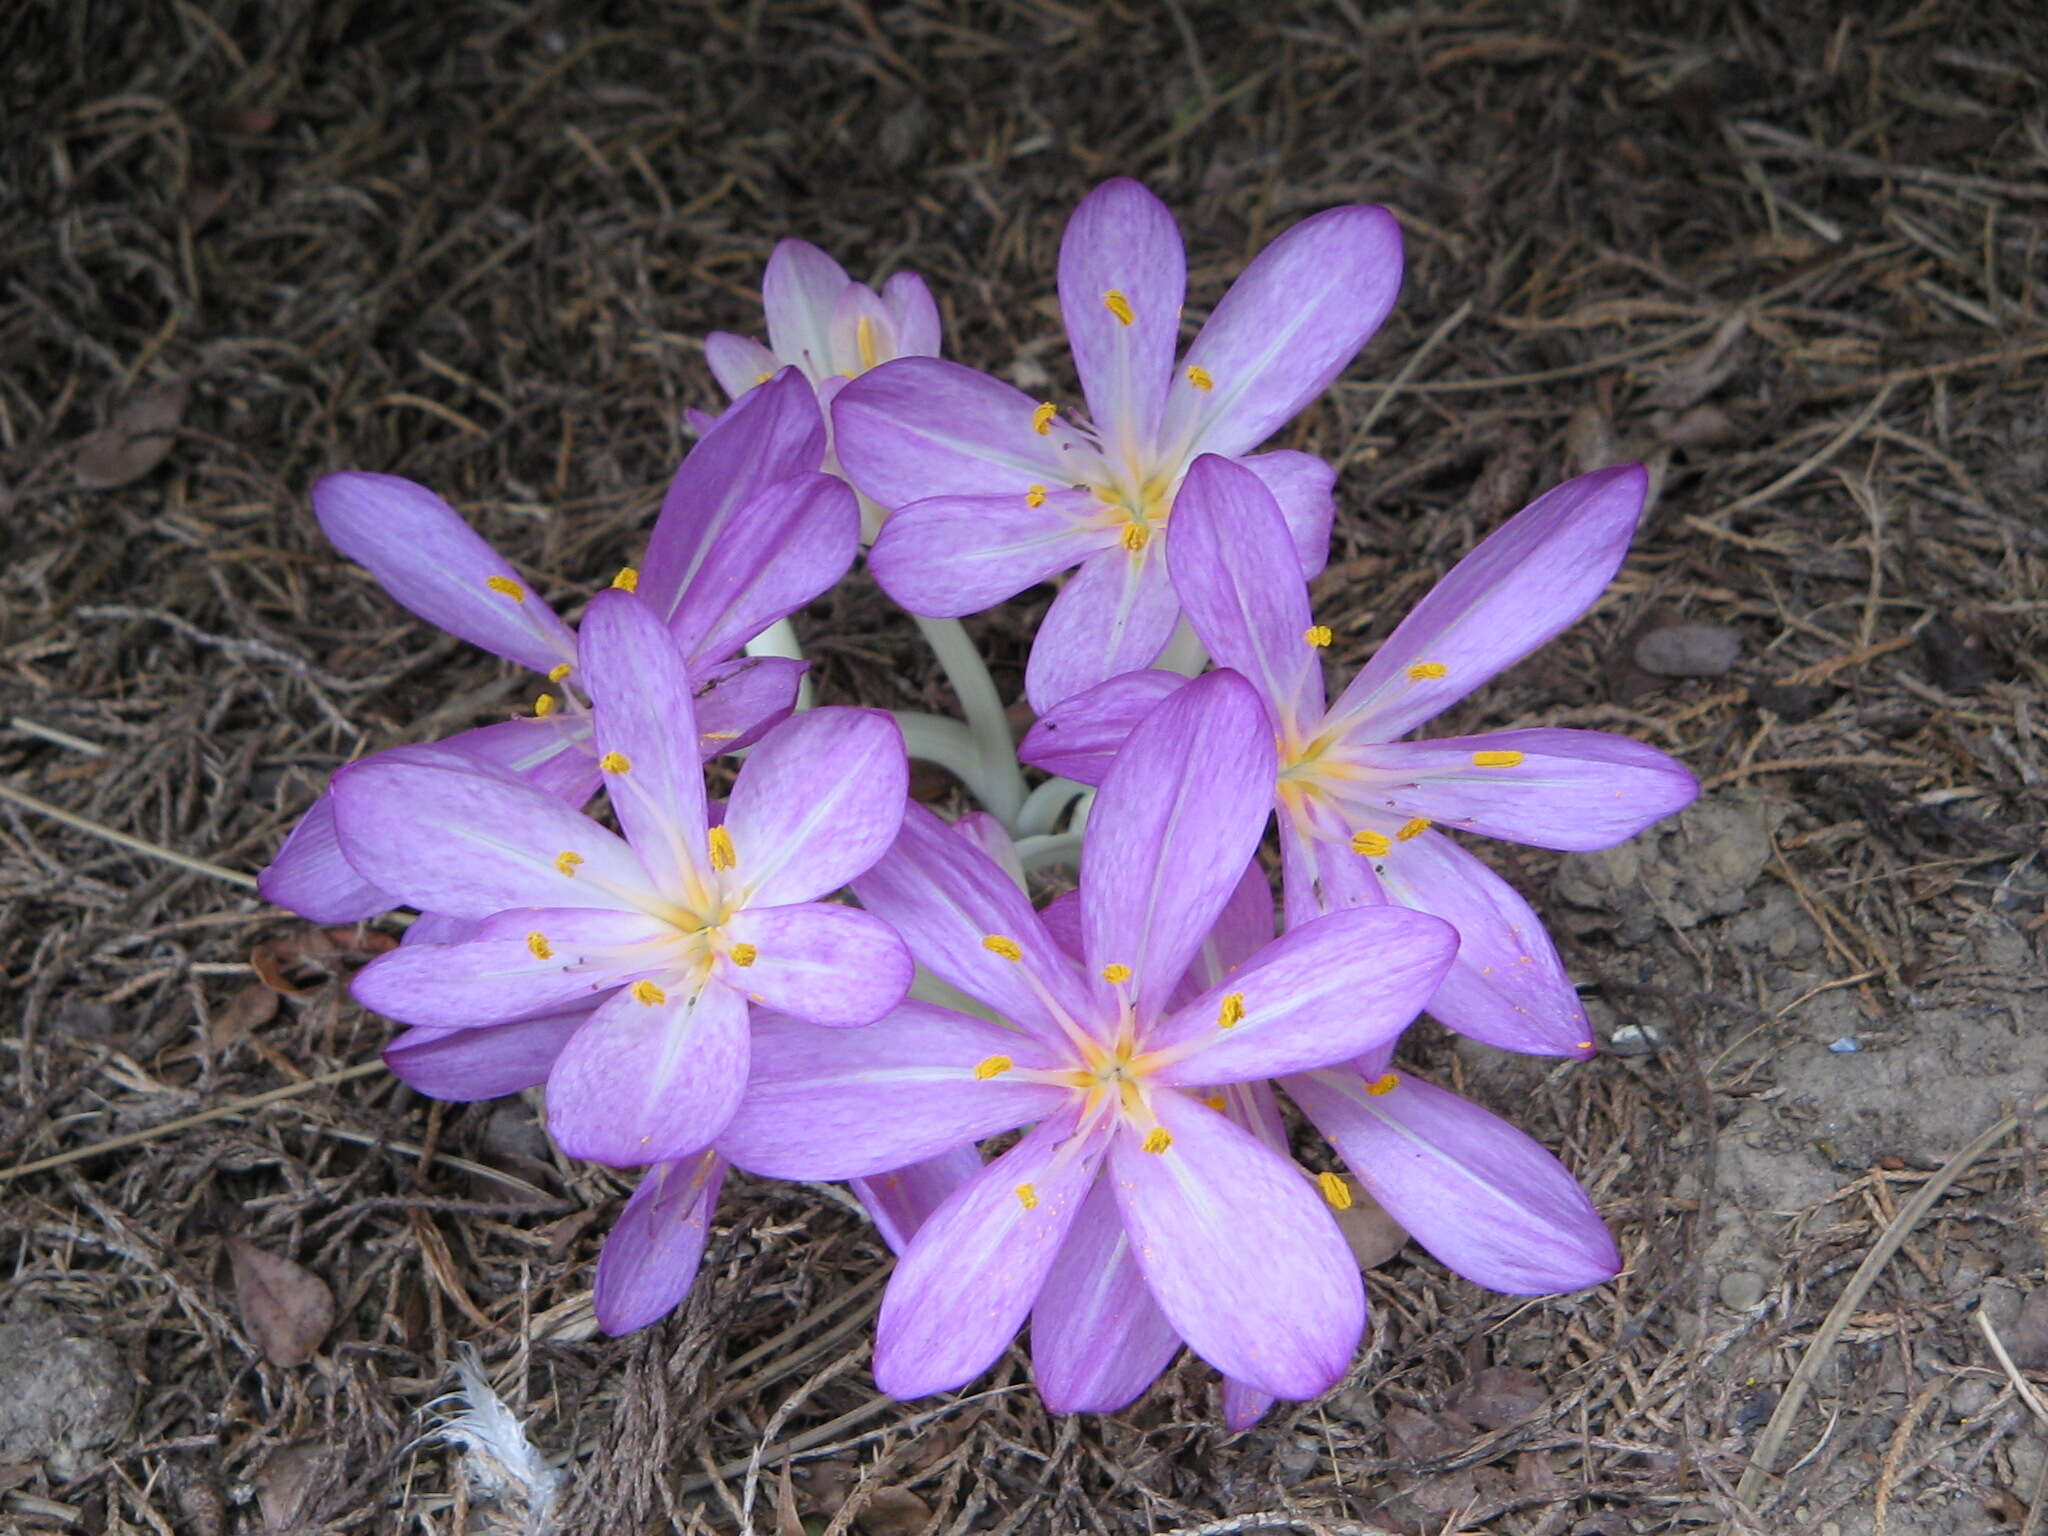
column 1793, row 256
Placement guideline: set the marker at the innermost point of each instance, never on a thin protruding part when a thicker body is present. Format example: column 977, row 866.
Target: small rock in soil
column 1741, row 1290
column 61, row 1397
column 1688, row 650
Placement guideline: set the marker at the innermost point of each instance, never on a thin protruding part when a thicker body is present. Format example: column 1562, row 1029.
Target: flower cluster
column 817, row 979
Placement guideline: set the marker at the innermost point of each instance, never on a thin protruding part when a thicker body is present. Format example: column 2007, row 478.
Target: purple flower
column 671, row 930
column 1132, row 1214
column 749, row 531
column 1360, row 810
column 991, row 492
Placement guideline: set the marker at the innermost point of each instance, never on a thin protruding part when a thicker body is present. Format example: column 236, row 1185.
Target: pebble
column 1741, row 1290
column 1846, row 1046
column 1688, row 650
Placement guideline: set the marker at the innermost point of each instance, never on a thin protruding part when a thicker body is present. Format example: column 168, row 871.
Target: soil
column 1791, row 257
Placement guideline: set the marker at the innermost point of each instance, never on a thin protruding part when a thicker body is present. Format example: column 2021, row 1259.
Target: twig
column 50, row 733
column 1416, row 359
column 1279, row 1520
column 813, row 1442
column 2020, row 1384
column 128, row 841
column 1801, row 470
column 1888, row 1243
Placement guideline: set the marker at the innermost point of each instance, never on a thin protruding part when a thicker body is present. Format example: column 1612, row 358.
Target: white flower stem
column 779, row 639
column 997, row 782
column 951, row 745
column 1036, row 853
column 1044, row 806
column 1184, row 653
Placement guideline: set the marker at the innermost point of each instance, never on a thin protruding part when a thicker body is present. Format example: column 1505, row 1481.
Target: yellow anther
column 1371, row 845
column 647, row 992
column 1199, row 377
column 1041, row 419
column 1383, row 1085
column 505, row 586
column 1118, row 305
column 723, row 855
column 1422, row 671
column 1495, row 759
column 537, row 945
column 1585, row 1045
column 744, row 955
column 1335, row 1190
column 1008, row 948
column 1232, row 1012
column 567, row 860
column 1215, row 1102
column 1026, row 1196
column 560, row 673
column 1157, row 1140
column 1136, row 537
column 628, row 579
column 1034, row 496
column 1116, row 975
column 864, row 341
column 544, row 706
column 1317, row 635
column 615, row 762
column 1412, row 829
column 992, row 1066
column 762, row 378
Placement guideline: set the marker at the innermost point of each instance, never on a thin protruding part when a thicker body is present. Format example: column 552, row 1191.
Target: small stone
column 61, row 1397
column 1741, row 1290
column 1688, row 650
column 1847, row 1045
column 1971, row 1396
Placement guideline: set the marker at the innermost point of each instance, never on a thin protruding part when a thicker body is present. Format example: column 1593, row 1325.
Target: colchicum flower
column 671, row 930
column 749, row 531
column 1128, row 1169
column 990, row 491
column 1361, row 813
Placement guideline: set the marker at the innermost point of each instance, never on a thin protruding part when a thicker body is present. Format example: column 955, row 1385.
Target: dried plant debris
column 1791, row 255
column 503, row 1467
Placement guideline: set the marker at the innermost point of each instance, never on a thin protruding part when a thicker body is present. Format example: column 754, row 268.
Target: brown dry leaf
column 286, row 1307
column 248, row 1010
column 315, row 954
column 1502, row 1394
column 1374, row 1236
column 787, row 1521
column 894, row 1512
column 135, row 441
column 284, row 1480
column 1589, row 440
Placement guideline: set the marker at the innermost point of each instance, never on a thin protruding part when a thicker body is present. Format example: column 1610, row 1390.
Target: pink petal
column 1243, row 1406
column 1487, row 1200
column 951, row 555
column 816, row 803
column 1321, row 993
column 1288, row 326
column 1303, row 488
column 1240, row 1252
column 1122, row 257
column 310, row 876
column 741, row 700
column 915, row 316
column 432, row 562
column 1114, row 615
column 650, row 1082
column 963, row 1288
column 832, row 1104
column 1525, row 582
column 855, row 350
column 739, row 363
column 899, row 1202
column 789, row 543
column 798, row 292
column 464, row 1065
column 470, row 844
column 920, row 427
column 819, row 962
column 553, row 755
column 650, row 1256
column 1243, row 928
column 1080, row 736
column 1098, row 1339
column 1173, row 827
column 1319, row 872
column 1235, row 568
column 505, row 974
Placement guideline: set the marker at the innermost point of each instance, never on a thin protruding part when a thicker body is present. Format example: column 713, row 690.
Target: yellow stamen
column 1215, row 1102
column 723, row 855
column 1495, row 759
column 1041, row 419
column 1371, row 845
column 1232, row 1011
column 615, row 762
column 1585, row 1045
column 1119, row 306
column 1199, row 377
column 1380, row 1087
column 628, row 579
column 567, row 860
column 1009, row 949
column 505, row 586
column 1034, row 496
column 1157, row 1140
column 864, row 341
column 762, row 378
column 537, row 945
column 993, row 1066
column 1026, row 1196
column 1317, row 635
column 647, row 992
column 1424, row 670
column 544, row 706
column 1136, row 537
column 1410, row 830
column 1335, row 1190
column 1116, row 975
column 559, row 673
column 744, row 955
